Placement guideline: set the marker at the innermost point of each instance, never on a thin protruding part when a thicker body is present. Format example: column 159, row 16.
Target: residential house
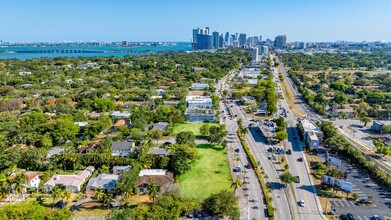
column 72, row 182
column 33, row 180
column 54, row 151
column 118, row 114
column 123, row 149
column 118, row 170
column 162, row 126
column 159, row 151
column 121, row 122
column 171, row 102
column 102, row 181
column 89, row 149
column 199, row 69
column 163, row 178
column 200, row 115
column 347, row 111
column 24, row 73
column 199, row 86
column 81, row 124
column 160, row 92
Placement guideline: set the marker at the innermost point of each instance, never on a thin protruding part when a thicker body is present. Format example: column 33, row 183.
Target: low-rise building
column 162, row 126
column 24, row 73
column 81, row 124
column 54, row 151
column 198, row 102
column 121, row 122
column 249, row 100
column 72, row 182
column 118, row 170
column 33, row 180
column 159, row 151
column 102, row 181
column 200, row 115
column 163, row 178
column 160, row 92
column 122, row 149
column 118, row 114
column 199, row 86
column 377, row 125
column 313, row 135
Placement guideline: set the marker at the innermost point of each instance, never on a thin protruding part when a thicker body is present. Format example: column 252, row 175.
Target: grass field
column 209, row 174
column 193, row 127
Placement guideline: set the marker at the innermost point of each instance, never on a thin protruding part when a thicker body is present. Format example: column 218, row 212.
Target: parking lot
column 364, row 187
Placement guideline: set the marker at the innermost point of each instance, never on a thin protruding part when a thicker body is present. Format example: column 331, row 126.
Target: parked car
column 61, row 204
column 297, row 179
column 237, row 150
column 237, row 169
column 301, row 203
column 375, row 217
column 300, row 159
column 365, row 201
column 343, row 217
column 351, row 216
column 289, row 152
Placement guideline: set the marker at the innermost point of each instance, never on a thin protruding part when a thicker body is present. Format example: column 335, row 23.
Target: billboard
column 341, row 184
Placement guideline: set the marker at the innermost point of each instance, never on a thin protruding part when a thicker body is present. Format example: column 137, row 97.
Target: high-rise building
column 250, row 41
column 233, row 37
column 221, row 41
column 260, row 38
column 195, row 32
column 255, row 41
column 226, row 37
column 242, row 39
column 280, row 42
column 230, row 41
column 215, row 35
column 204, row 42
column 254, row 52
column 264, row 50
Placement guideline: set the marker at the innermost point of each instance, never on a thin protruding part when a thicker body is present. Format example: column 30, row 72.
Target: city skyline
column 301, row 20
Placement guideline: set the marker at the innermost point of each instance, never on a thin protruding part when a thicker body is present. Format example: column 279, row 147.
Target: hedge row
column 265, row 191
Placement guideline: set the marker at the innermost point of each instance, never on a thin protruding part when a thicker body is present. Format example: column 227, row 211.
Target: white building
column 118, row 114
column 200, row 115
column 24, row 73
column 72, row 182
column 33, row 180
column 194, row 102
column 264, row 50
column 312, row 133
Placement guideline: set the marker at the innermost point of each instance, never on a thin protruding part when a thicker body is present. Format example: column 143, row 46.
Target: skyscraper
column 242, row 39
column 195, row 32
column 226, row 37
column 215, row 40
column 254, row 52
column 204, row 42
column 250, row 41
column 255, row 40
column 221, row 41
column 280, row 42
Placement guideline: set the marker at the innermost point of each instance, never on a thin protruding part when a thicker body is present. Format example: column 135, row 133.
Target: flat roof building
column 202, row 102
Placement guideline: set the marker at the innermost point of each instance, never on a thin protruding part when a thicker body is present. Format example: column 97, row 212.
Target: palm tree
column 236, row 184
column 243, row 130
column 67, row 195
column 56, row 192
column 99, row 194
column 152, row 189
column 107, row 198
column 20, row 182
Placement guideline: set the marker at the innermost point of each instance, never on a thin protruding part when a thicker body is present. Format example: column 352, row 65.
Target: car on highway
column 350, row 216
column 301, row 203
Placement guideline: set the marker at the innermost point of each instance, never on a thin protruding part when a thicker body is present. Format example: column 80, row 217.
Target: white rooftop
column 153, row 172
column 309, row 125
column 192, row 98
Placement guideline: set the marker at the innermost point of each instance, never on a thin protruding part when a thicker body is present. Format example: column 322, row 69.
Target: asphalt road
column 251, row 200
column 305, row 189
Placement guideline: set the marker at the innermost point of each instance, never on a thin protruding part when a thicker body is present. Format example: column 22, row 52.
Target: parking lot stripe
column 347, row 203
column 335, row 203
column 359, row 217
column 354, row 204
column 341, row 203
column 365, row 217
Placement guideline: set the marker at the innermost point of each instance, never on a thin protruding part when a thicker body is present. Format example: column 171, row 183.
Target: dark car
column 289, row 152
column 351, row 216
column 365, row 201
column 376, row 217
column 300, row 159
column 74, row 208
column 237, row 150
column 297, row 179
column 237, row 169
column 343, row 217
column 61, row 204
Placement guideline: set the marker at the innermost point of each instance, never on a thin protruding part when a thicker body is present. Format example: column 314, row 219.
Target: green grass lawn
column 193, row 127
column 209, row 174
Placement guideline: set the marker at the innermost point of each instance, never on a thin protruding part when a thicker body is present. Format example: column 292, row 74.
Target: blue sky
column 173, row 20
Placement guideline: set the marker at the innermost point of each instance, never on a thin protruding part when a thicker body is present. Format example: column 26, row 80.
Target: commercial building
column 264, row 50
column 280, row 42
column 215, row 39
column 199, row 86
column 204, row 42
column 249, row 100
column 254, row 52
column 242, row 39
column 200, row 115
column 313, row 135
column 377, row 125
column 226, row 37
column 202, row 102
column 221, row 41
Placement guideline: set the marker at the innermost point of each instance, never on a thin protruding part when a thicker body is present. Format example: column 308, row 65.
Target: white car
column 301, row 203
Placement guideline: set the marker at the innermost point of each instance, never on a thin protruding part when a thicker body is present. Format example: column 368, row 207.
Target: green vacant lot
column 209, row 174
column 193, row 127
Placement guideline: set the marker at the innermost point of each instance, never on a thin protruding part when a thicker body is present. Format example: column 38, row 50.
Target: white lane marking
column 347, row 203
column 353, row 203
column 335, row 203
column 365, row 217
column 341, row 203
column 359, row 217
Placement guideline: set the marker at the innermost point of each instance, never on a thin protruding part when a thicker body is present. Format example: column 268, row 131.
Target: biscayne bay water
column 31, row 52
